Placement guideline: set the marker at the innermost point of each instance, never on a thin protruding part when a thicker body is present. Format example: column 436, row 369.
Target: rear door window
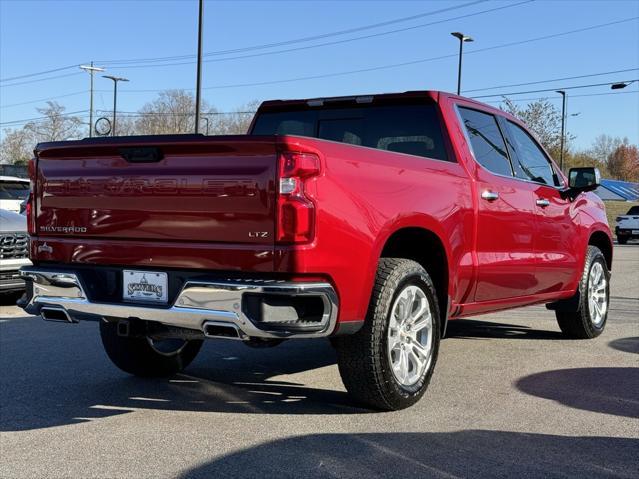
column 410, row 129
column 486, row 141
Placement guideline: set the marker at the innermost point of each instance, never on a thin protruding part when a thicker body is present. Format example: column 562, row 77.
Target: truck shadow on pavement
column 58, row 374
column 627, row 345
column 468, row 453
column 603, row 390
column 473, row 329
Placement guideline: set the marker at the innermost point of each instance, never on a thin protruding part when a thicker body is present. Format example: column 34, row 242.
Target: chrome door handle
column 543, row 202
column 490, row 195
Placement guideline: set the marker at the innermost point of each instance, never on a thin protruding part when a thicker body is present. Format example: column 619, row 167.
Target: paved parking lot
column 509, row 397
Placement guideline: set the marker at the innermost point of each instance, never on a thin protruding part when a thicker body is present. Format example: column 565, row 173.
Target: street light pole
column 90, row 69
column 462, row 38
column 115, row 97
column 207, row 124
column 198, row 85
column 563, row 128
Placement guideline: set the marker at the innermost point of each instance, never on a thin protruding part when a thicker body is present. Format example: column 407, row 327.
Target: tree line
column 172, row 113
column 615, row 157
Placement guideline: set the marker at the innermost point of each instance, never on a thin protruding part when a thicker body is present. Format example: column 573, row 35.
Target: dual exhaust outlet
column 211, row 329
column 58, row 315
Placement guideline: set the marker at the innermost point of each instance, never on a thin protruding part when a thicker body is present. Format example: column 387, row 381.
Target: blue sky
column 43, row 35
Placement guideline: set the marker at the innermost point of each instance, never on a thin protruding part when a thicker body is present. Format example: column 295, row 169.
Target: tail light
column 29, row 209
column 295, row 210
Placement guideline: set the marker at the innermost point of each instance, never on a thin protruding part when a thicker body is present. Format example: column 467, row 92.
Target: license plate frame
column 145, row 286
column 635, row 232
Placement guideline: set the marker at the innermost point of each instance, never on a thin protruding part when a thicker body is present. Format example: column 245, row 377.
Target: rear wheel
column 622, row 239
column 589, row 320
column 145, row 356
column 389, row 362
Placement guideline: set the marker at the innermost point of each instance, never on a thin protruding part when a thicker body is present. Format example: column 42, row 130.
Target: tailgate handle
column 142, row 154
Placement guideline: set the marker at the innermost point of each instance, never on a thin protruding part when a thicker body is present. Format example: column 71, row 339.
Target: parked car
column 372, row 220
column 14, row 250
column 627, row 226
column 13, row 191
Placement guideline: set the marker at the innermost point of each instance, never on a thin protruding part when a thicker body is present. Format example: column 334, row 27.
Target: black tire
column 622, row 239
column 578, row 324
column 363, row 359
column 136, row 355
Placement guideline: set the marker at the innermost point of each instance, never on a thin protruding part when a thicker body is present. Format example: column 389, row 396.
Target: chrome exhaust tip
column 58, row 315
column 222, row 330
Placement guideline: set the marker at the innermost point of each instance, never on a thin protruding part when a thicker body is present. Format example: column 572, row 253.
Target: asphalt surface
column 509, row 398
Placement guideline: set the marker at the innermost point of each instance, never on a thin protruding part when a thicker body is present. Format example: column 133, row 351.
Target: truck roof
column 410, row 95
column 361, row 99
column 368, row 98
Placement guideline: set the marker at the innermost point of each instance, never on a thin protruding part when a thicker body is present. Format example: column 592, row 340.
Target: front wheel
column 389, row 362
column 590, row 319
column 145, row 356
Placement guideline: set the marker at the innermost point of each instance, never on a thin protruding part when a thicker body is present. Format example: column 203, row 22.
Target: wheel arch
column 424, row 246
column 602, row 241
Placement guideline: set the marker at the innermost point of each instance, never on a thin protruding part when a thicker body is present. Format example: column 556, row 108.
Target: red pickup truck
column 372, row 220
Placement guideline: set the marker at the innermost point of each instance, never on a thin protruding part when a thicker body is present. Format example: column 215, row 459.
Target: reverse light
column 295, row 210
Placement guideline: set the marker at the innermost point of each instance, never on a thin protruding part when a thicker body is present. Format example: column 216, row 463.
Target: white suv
column 628, row 225
column 14, row 250
column 13, row 191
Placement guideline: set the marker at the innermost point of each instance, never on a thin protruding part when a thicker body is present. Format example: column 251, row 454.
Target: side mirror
column 583, row 179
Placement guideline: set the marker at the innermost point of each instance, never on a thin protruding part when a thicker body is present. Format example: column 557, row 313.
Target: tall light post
column 206, row 118
column 90, row 69
column 115, row 97
column 563, row 128
column 198, row 84
column 462, row 38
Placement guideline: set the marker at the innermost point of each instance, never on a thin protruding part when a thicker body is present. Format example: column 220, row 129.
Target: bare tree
column 604, row 145
column 127, row 125
column 233, row 123
column 56, row 125
column 544, row 119
column 17, row 147
column 171, row 112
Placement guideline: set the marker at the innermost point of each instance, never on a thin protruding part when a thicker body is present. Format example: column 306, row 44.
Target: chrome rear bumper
column 199, row 303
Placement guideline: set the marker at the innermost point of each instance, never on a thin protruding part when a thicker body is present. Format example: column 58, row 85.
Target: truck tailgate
column 169, row 189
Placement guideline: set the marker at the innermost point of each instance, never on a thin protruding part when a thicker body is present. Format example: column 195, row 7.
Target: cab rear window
column 410, row 129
